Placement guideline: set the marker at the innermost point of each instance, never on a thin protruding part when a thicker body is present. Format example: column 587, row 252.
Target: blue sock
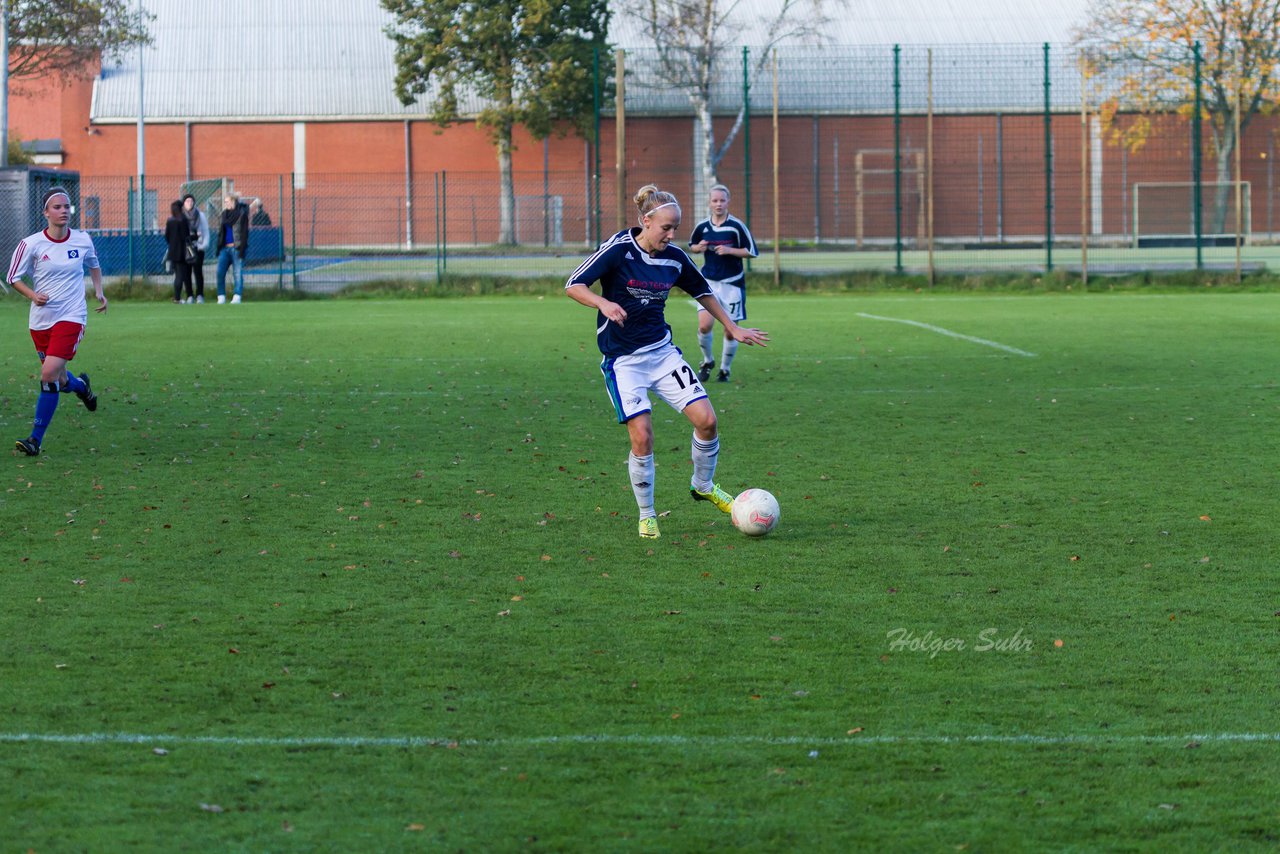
column 73, row 384
column 45, row 406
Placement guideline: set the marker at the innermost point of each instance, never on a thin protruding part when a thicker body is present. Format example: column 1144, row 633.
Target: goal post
column 1164, row 211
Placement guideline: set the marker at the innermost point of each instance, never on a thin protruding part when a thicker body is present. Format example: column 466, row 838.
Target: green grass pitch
column 364, row 576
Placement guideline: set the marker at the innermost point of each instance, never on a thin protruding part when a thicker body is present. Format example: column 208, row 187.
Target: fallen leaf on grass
column 506, row 613
column 415, row 827
column 1205, row 518
column 854, row 731
column 211, row 808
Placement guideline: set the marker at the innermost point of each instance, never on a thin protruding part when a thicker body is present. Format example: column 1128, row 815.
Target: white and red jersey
column 56, row 268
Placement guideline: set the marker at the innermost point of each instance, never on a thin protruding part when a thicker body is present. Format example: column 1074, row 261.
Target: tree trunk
column 1224, row 177
column 704, row 159
column 507, row 193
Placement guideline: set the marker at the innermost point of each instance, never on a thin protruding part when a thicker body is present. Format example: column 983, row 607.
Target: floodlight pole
column 142, row 145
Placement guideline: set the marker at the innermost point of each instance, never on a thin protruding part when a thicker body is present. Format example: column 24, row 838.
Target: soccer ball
column 755, row 512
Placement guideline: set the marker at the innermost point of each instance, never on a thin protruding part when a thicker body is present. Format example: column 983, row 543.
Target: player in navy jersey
column 725, row 240
column 53, row 261
column 637, row 269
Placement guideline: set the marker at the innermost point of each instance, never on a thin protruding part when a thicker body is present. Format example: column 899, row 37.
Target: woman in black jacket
column 178, row 235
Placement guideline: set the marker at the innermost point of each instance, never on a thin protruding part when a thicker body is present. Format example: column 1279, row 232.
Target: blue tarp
column 266, row 245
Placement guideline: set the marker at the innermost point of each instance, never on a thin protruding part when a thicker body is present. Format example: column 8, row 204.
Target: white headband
column 663, row 205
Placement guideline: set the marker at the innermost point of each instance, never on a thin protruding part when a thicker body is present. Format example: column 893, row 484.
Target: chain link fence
column 914, row 158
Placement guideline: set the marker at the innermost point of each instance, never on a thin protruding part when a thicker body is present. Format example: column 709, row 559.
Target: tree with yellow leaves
column 1141, row 55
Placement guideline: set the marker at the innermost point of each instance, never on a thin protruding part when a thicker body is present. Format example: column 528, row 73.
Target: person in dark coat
column 178, row 235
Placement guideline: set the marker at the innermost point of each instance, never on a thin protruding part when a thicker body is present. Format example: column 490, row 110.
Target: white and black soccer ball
column 755, row 512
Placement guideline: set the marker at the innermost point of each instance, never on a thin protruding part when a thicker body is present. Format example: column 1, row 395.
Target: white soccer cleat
column 235, row 300
column 221, row 299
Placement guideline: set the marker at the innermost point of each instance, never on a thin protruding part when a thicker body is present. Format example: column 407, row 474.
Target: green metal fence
column 912, row 158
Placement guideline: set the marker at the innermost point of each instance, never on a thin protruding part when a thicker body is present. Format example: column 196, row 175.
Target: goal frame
column 1207, row 189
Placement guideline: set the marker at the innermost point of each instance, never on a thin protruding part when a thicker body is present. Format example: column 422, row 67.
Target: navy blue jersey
column 733, row 233
column 640, row 283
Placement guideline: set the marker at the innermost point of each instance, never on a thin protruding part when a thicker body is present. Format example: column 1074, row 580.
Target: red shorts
column 59, row 340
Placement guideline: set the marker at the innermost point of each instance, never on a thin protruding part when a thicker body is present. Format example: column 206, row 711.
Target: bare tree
column 696, row 43
column 1143, row 54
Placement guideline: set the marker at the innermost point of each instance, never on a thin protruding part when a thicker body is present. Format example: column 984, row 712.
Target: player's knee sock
column 641, row 470
column 705, row 343
column 727, row 354
column 46, row 403
column 73, row 384
column 705, row 455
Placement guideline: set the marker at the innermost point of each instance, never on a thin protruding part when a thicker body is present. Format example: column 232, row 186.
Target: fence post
column 897, row 159
column 293, row 225
column 1048, row 169
column 1084, row 170
column 595, row 145
column 746, row 138
column 777, row 218
column 929, row 170
column 444, row 223
column 1197, row 164
column 620, row 133
column 439, row 272
column 280, row 212
column 132, row 208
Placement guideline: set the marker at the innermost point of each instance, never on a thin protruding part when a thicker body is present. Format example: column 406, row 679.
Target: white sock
column 727, row 354
column 641, row 471
column 705, row 455
column 705, row 343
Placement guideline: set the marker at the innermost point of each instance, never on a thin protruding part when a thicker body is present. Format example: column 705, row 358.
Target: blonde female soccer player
column 637, row 268
column 725, row 240
column 53, row 261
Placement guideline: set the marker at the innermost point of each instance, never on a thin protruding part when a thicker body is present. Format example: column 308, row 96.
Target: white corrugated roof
column 267, row 60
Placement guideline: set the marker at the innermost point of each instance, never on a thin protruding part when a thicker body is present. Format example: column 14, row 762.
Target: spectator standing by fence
column 233, row 245
column 198, row 225
column 259, row 216
column 177, row 235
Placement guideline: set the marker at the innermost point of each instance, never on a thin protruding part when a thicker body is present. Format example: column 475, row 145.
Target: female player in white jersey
column 53, row 261
column 725, row 240
column 637, row 268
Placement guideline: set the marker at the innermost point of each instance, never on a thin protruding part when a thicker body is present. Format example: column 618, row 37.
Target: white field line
column 693, row 741
column 938, row 329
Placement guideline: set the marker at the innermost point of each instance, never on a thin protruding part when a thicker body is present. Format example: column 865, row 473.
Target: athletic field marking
column 938, row 329
column 112, row 738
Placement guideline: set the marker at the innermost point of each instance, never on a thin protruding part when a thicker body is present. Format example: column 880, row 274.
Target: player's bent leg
column 705, row 453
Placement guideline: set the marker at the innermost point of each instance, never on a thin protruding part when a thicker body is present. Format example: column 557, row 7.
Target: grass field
column 343, row 575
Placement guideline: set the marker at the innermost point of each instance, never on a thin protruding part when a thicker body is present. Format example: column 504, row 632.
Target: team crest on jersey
column 73, row 253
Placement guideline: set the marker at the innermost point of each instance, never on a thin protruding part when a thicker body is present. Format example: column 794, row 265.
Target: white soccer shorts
column 629, row 379
column 732, row 297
